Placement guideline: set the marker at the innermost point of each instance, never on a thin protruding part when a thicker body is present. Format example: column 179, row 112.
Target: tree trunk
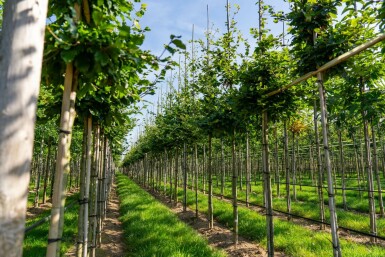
column 287, row 168
column 234, row 192
column 47, row 172
column 377, row 172
column 223, row 163
column 40, row 167
column 277, row 179
column 94, row 193
column 267, row 182
column 210, row 189
column 342, row 163
column 79, row 244
column 62, row 164
column 320, row 170
column 87, row 185
column 184, row 177
column 176, row 177
column 294, row 168
column 21, row 52
column 332, row 205
column 196, row 180
column 248, row 185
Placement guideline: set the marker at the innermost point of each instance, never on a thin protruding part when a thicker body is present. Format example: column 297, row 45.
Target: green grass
column 307, row 206
column 152, row 230
column 35, row 241
column 290, row 238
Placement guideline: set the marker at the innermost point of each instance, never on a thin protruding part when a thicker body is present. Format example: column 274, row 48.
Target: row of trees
column 227, row 94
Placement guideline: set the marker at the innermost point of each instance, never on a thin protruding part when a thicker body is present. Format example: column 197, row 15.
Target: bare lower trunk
column 377, row 172
column 332, row 205
column 210, row 189
column 320, row 170
column 267, row 187
column 234, row 192
column 47, row 172
column 342, row 163
column 287, row 173
column 21, row 52
column 62, row 166
column 248, row 185
column 40, row 168
column 184, row 177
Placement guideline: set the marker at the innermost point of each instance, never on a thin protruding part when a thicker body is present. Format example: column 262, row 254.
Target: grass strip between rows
column 35, row 241
column 151, row 229
column 292, row 239
column 307, row 206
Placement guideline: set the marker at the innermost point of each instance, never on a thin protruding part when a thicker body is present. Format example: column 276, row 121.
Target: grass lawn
column 151, row 229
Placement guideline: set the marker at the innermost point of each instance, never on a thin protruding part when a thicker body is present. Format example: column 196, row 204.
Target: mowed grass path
column 151, row 229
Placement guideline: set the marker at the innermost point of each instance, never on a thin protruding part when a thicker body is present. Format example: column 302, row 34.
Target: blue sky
column 166, row 17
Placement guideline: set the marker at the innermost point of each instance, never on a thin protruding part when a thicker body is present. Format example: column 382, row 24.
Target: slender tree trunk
column 196, row 180
column 287, row 168
column 332, row 205
column 101, row 189
column 62, row 164
column 357, row 164
column 210, row 189
column 47, row 172
column 223, row 163
column 40, row 168
column 204, row 169
column 248, row 185
column 234, row 192
column 86, row 198
column 277, row 179
column 294, row 167
column 184, row 177
column 94, row 193
column 80, row 243
column 21, row 51
column 267, row 182
column 176, row 177
column 320, row 170
column 369, row 170
column 342, row 163
column 377, row 172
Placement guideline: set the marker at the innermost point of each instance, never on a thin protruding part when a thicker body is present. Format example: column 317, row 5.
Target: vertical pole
column 210, row 189
column 267, row 194
column 184, row 177
column 332, row 204
column 234, row 191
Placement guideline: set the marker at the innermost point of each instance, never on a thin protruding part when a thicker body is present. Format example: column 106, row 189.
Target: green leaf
column 82, row 63
column 69, row 55
column 102, row 58
column 136, row 24
column 178, row 43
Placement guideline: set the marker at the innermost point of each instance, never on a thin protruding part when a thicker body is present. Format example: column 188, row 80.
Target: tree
column 21, row 54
